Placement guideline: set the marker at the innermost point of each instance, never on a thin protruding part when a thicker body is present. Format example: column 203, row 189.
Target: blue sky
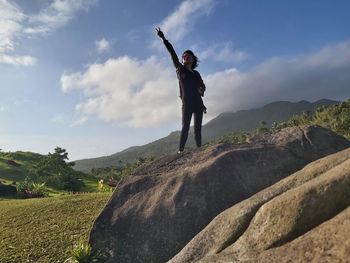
column 91, row 76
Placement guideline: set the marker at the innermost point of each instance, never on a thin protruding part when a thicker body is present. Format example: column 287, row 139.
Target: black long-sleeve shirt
column 190, row 82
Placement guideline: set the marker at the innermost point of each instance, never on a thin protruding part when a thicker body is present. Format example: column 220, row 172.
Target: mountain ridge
column 242, row 120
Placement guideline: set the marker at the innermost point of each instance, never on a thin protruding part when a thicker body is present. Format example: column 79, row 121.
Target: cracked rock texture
column 163, row 206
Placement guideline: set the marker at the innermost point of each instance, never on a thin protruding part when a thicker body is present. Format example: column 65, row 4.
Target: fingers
column 159, row 32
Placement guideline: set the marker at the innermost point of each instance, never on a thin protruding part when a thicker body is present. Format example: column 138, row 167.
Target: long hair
column 195, row 59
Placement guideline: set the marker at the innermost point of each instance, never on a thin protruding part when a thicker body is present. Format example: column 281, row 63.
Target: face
column 187, row 58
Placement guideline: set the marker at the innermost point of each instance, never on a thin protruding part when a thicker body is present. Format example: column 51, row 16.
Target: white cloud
column 323, row 74
column 56, row 15
column 223, row 52
column 102, row 45
column 11, row 18
column 180, row 22
column 2, row 109
column 144, row 93
column 14, row 25
column 138, row 93
column 17, row 60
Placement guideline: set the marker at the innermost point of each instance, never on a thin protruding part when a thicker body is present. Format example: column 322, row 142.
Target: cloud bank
column 15, row 25
column 137, row 93
column 144, row 93
column 323, row 74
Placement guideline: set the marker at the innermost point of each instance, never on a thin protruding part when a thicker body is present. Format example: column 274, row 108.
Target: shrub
column 61, row 181
column 26, row 184
column 82, row 253
column 103, row 187
column 70, row 182
column 231, row 137
column 29, row 189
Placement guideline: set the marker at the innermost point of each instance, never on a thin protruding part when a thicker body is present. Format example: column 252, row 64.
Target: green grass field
column 45, row 229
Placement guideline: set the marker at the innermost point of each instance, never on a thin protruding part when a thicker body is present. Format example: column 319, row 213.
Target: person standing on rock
column 191, row 92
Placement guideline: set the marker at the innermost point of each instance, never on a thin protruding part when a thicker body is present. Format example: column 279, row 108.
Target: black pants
column 186, row 121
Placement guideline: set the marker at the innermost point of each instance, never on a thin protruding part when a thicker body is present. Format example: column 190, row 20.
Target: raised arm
column 170, row 48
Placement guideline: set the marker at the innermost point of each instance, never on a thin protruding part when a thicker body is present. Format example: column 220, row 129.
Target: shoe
column 179, row 152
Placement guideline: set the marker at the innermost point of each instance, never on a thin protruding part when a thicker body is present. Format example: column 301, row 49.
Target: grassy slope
column 26, row 160
column 43, row 230
column 13, row 173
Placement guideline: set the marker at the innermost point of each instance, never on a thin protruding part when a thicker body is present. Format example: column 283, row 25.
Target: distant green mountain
column 244, row 120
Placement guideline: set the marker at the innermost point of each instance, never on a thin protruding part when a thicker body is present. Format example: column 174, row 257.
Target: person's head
column 189, row 57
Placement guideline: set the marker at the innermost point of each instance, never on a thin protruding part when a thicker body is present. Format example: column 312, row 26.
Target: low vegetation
column 115, row 174
column 335, row 117
column 36, row 175
column 46, row 229
column 28, row 189
column 53, row 173
column 83, row 253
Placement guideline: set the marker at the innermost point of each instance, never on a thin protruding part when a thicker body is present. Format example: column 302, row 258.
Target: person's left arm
column 202, row 87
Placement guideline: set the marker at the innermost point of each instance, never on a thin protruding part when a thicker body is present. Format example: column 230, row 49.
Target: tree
column 55, row 163
column 56, row 171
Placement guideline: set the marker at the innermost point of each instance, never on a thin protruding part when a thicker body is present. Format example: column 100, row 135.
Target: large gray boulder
column 295, row 220
column 156, row 211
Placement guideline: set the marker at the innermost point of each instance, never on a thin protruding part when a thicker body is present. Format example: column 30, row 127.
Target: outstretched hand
column 160, row 33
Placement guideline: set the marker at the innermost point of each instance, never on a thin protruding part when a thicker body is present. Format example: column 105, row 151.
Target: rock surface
column 328, row 242
column 274, row 225
column 156, row 211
